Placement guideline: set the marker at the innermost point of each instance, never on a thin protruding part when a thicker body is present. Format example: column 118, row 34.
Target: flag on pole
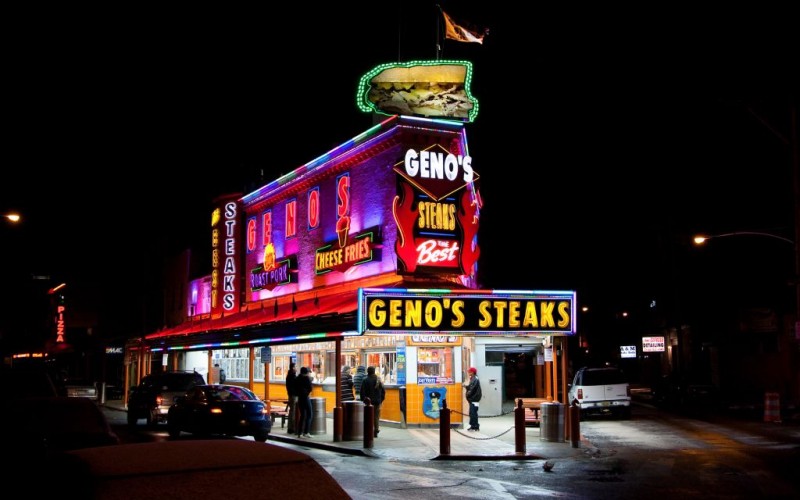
column 454, row 31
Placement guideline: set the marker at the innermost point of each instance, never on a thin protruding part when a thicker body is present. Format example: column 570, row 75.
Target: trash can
column 353, row 420
column 318, row 417
column 551, row 427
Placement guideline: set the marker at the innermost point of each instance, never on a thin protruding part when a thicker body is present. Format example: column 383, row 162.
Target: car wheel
column 261, row 437
column 173, row 430
column 132, row 419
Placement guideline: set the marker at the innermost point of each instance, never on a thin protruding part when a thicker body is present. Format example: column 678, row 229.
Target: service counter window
column 435, row 365
column 349, row 358
column 279, row 367
column 385, row 364
column 312, row 361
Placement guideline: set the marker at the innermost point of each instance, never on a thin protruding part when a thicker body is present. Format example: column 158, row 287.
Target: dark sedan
column 220, row 409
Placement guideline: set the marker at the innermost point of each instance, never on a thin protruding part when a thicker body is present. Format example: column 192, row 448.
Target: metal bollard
column 369, row 424
column 519, row 428
column 575, row 425
column 338, row 423
column 444, row 429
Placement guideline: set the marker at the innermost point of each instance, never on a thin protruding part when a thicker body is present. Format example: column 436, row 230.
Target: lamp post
column 701, row 239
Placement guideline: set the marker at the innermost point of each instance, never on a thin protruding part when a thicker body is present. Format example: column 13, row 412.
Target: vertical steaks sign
column 225, row 258
column 397, row 311
column 436, row 210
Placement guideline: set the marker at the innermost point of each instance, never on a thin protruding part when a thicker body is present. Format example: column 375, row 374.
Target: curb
column 488, row 457
column 310, row 443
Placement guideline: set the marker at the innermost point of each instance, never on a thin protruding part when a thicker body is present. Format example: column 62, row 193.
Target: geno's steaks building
column 368, row 255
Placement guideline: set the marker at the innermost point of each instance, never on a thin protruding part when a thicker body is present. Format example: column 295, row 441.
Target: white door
column 491, row 378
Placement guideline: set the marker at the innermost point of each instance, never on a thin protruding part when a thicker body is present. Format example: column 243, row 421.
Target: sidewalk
column 495, row 441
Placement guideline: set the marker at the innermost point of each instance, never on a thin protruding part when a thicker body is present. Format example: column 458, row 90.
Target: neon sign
column 453, row 312
column 224, row 258
column 361, row 249
column 60, row 328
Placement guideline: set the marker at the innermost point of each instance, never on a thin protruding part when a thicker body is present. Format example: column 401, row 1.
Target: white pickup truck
column 601, row 391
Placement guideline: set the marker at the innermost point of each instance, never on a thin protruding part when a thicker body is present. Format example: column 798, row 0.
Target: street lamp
column 700, row 239
column 12, row 217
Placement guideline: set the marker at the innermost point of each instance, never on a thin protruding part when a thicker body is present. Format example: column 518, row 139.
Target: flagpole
column 439, row 33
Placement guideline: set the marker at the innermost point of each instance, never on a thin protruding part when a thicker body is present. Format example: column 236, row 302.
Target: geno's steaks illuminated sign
column 395, row 311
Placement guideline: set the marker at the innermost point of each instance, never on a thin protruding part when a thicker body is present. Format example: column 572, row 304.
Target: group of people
column 298, row 390
column 367, row 385
column 364, row 385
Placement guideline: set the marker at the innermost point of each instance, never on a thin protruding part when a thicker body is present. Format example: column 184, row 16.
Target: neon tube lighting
column 263, row 341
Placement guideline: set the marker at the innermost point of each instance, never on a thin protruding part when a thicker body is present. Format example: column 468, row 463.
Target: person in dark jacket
column 347, row 385
column 304, row 403
column 361, row 373
column 473, row 396
column 291, row 394
column 372, row 388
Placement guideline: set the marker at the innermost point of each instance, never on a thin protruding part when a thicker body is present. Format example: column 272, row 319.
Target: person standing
column 304, row 403
column 372, row 388
column 361, row 373
column 291, row 394
column 473, row 397
column 347, row 385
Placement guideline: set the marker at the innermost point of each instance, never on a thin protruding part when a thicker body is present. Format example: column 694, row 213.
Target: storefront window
column 312, row 361
column 385, row 364
column 235, row 362
column 279, row 367
column 348, row 359
column 435, row 365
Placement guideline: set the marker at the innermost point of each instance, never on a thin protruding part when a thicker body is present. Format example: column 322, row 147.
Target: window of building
column 279, row 367
column 312, row 361
column 235, row 362
column 385, row 364
column 435, row 365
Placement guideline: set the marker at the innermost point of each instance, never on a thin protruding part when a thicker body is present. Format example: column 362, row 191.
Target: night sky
column 602, row 146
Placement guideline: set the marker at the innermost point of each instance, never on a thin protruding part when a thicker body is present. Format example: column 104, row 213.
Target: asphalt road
column 655, row 454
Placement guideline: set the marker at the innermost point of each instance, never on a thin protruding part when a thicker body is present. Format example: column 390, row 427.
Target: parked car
column 79, row 388
column 680, row 393
column 220, row 409
column 189, row 469
column 152, row 398
column 601, row 391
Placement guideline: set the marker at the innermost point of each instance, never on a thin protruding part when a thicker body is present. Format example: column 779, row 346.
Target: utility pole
column 793, row 140
column 793, row 144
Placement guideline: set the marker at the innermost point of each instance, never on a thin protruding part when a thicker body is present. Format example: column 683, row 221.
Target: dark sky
column 601, row 141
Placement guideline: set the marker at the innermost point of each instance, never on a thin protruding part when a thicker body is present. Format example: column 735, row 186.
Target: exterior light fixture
column 700, row 239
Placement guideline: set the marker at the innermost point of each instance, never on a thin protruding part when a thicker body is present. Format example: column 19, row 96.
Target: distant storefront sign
column 652, row 344
column 627, row 351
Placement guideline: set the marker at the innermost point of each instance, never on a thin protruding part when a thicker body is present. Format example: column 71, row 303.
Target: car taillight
column 580, row 393
column 216, row 411
column 159, row 399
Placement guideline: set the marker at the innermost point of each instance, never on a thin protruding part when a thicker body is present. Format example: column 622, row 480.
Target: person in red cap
column 473, row 396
